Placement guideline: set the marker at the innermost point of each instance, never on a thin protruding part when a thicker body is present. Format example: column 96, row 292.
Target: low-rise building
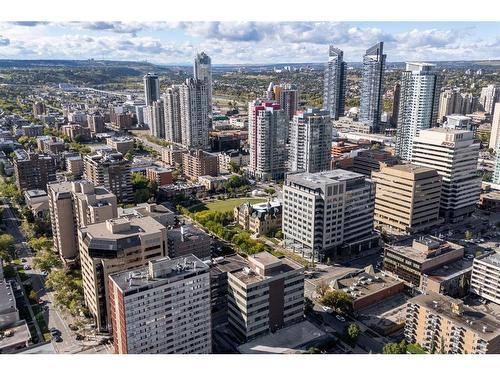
column 441, row 324
column 238, row 158
column 32, row 130
column 121, row 144
column 412, row 258
column 368, row 161
column 179, row 190
column 74, row 165
column 452, row 279
column 162, row 176
column 172, row 155
column 213, row 183
column 163, row 307
column 265, row 296
column 50, row 145
column 33, row 171
column 198, row 163
column 157, row 211
column 37, row 201
column 188, row 239
column 490, row 201
column 76, row 132
column 259, row 218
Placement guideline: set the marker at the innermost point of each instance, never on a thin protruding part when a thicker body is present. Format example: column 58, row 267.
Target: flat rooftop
column 35, row 193
column 248, row 276
column 470, row 318
column 190, row 232
column 451, row 270
column 21, row 334
column 285, row 340
column 438, row 247
column 408, row 168
column 493, row 260
column 138, row 225
column 365, row 284
column 229, row 263
column 315, row 180
column 158, row 272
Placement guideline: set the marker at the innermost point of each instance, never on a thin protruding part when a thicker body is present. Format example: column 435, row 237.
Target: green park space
column 223, row 205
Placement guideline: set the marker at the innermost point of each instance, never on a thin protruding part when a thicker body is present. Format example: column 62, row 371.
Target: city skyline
column 247, row 42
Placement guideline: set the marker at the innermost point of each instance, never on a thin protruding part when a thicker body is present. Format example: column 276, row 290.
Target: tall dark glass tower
column 335, row 83
column 151, row 88
column 372, row 86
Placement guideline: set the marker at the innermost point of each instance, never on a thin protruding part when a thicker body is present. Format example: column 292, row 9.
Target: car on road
column 26, row 267
column 326, row 308
column 79, row 337
column 24, row 260
column 57, row 338
column 340, row 318
column 469, row 256
column 41, row 302
column 45, row 273
column 54, row 332
column 72, row 327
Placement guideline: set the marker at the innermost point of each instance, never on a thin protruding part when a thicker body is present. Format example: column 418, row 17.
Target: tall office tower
column 173, row 114
column 157, row 119
column 395, row 104
column 335, row 83
column 447, row 101
column 162, row 308
column 489, row 96
column 407, row 198
column 310, row 141
column 288, row 99
column 73, row 205
column 194, row 113
column 495, row 128
column 33, row 171
column 485, row 279
column 418, row 106
column 203, row 72
column 454, row 155
column 469, row 103
column 267, row 137
column 110, row 169
column 151, row 88
column 114, row 246
column 372, row 86
column 328, row 214
column 442, row 324
column 265, row 296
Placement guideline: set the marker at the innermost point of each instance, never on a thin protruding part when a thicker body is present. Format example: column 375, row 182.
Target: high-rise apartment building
column 495, row 128
column 328, row 214
column 114, row 246
column 418, row 106
column 265, row 296
column 194, row 115
column 162, row 308
column 310, row 141
column 110, row 169
column 203, row 72
column 396, row 92
column 449, row 103
column 33, row 171
column 288, row 99
column 335, row 83
column 485, row 279
column 454, row 154
column 157, row 119
column 172, row 114
column 496, row 172
column 407, row 198
column 372, row 86
column 73, row 205
column 196, row 163
column 267, row 130
column 151, row 88
column 441, row 324
column 489, row 96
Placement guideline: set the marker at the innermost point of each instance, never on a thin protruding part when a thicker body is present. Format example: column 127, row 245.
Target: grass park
column 223, row 205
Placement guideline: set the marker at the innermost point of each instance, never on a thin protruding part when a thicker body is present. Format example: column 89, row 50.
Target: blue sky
column 247, row 42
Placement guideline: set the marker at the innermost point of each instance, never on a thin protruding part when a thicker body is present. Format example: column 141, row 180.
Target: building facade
column 202, row 71
column 194, row 107
column 33, row 171
column 172, row 109
column 485, row 280
column 151, row 88
column 335, row 83
column 196, row 163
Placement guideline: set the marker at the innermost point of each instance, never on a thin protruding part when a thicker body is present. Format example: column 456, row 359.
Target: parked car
column 58, row 338
column 24, row 260
column 326, row 308
column 79, row 337
column 340, row 318
column 54, row 332
column 26, row 267
column 72, row 327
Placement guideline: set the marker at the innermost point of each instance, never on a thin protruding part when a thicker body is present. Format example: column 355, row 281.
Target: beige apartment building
column 198, row 163
column 407, row 198
column 115, row 245
column 73, row 205
column 265, row 296
column 442, row 324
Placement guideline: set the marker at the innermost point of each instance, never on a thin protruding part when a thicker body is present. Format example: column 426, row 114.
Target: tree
column 338, row 300
column 233, row 167
column 468, row 235
column 322, row 288
column 376, row 146
column 6, row 247
column 395, row 348
column 352, row 332
column 40, row 243
column 270, row 191
column 313, row 350
column 45, row 260
column 33, row 295
column 68, row 290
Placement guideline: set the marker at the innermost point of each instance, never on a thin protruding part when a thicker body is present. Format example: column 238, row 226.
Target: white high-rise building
column 172, row 114
column 418, row 105
column 495, row 128
column 310, row 141
column 335, row 83
column 203, row 71
column 328, row 214
column 151, row 88
column 496, row 172
column 454, row 155
column 195, row 118
column 162, row 308
column 157, row 119
column 485, row 278
column 489, row 96
column 267, row 132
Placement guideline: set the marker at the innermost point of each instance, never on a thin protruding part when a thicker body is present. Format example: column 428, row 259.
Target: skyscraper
column 395, row 104
column 151, row 88
column 489, row 96
column 447, row 101
column 418, row 105
column 157, row 119
column 310, row 141
column 173, row 114
column 372, row 86
column 495, row 128
column 267, row 138
column 335, row 83
column 288, row 99
column 203, row 71
column 453, row 153
column 194, row 116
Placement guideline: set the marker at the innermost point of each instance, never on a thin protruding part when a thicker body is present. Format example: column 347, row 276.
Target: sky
column 248, row 42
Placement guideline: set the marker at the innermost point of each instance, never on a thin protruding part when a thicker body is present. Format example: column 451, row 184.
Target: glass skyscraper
column 335, row 83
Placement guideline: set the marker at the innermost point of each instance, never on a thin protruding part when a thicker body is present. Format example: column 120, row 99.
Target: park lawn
column 224, row 205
